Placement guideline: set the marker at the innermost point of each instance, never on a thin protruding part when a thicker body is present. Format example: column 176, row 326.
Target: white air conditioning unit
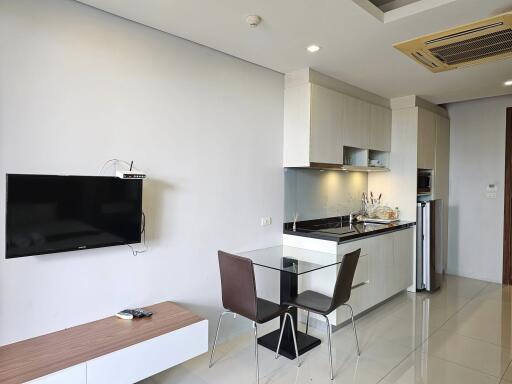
column 480, row 42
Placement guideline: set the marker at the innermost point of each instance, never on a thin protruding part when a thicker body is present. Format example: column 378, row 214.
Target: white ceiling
column 356, row 47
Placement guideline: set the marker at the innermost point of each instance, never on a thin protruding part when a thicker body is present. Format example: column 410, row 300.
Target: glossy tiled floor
column 461, row 334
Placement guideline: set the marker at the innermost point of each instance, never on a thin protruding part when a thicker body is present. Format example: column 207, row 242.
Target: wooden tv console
column 107, row 351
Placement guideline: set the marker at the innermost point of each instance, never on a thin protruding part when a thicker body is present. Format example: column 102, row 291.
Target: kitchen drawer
column 150, row 357
column 359, row 301
column 365, row 245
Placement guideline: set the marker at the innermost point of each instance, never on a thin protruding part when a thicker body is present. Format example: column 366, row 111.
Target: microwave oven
column 424, row 182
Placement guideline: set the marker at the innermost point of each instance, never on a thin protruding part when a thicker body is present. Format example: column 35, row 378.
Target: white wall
column 477, row 158
column 316, row 194
column 79, row 87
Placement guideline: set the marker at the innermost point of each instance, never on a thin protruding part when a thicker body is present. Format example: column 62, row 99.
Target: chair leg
column 280, row 337
column 287, row 314
column 217, row 336
column 307, row 323
column 354, row 326
column 329, row 344
column 256, row 352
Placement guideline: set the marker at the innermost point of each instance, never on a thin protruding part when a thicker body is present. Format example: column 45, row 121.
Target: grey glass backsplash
column 315, row 194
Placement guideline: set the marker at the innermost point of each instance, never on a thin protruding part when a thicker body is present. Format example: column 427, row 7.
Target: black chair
column 323, row 305
column 239, row 298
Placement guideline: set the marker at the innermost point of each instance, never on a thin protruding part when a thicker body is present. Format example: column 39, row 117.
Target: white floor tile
column 479, row 355
column 459, row 334
column 424, row 369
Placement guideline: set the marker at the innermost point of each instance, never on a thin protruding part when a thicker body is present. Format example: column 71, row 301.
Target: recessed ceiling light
column 508, row 83
column 313, row 48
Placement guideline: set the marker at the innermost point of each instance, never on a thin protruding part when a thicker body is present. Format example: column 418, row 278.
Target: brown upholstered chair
column 323, row 305
column 239, row 297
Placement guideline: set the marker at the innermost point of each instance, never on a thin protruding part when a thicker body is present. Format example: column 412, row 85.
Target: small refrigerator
column 429, row 245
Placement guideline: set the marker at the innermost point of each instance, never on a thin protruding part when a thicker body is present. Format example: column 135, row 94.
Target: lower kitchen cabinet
column 384, row 269
column 404, row 245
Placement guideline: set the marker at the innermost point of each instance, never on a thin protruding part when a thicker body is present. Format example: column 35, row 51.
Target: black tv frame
column 81, row 247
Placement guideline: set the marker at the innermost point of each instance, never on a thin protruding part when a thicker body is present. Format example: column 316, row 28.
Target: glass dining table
column 291, row 262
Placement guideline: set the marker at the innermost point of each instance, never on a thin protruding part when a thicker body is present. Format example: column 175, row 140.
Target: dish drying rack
column 373, row 211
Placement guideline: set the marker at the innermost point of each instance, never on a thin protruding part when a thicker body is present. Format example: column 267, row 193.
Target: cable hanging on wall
column 115, row 163
column 135, row 252
column 129, row 168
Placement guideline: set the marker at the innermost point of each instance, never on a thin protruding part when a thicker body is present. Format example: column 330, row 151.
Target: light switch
column 265, row 221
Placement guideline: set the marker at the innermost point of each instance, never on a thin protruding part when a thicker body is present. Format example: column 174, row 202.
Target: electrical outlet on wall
column 264, row 221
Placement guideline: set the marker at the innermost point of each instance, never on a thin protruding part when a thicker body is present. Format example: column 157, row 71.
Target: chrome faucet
column 351, row 216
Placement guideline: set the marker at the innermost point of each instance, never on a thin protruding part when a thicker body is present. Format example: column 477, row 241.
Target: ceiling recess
column 389, row 5
column 480, row 42
column 391, row 10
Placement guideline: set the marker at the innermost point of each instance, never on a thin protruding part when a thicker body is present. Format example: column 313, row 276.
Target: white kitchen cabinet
column 390, row 264
column 360, row 295
column 442, row 175
column 384, row 269
column 434, row 154
column 356, row 122
column 365, row 244
column 297, row 133
column 321, row 121
column 360, row 298
column 426, row 139
column 326, row 120
column 380, row 128
column 403, row 253
column 312, row 126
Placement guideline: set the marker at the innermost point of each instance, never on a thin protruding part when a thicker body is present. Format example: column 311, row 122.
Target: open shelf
column 378, row 159
column 355, row 157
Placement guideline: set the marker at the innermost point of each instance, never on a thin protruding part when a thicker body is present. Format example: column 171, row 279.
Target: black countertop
column 338, row 229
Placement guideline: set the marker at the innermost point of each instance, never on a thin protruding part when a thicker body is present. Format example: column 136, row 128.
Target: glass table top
column 290, row 259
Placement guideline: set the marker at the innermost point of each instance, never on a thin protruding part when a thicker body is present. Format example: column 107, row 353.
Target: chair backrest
column 345, row 278
column 238, row 285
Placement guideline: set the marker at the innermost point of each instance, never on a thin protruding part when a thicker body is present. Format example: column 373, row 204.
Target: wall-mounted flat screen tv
column 49, row 214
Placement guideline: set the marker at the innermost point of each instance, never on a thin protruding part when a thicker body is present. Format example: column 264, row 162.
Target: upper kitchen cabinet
column 366, row 125
column 426, row 139
column 356, row 122
column 380, row 128
column 325, row 126
column 312, row 126
column 325, row 118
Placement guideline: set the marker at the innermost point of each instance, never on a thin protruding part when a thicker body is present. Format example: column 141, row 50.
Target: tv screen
column 48, row 214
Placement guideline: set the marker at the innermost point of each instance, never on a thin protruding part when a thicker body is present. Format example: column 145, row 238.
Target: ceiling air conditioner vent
column 480, row 42
column 424, row 60
column 477, row 48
